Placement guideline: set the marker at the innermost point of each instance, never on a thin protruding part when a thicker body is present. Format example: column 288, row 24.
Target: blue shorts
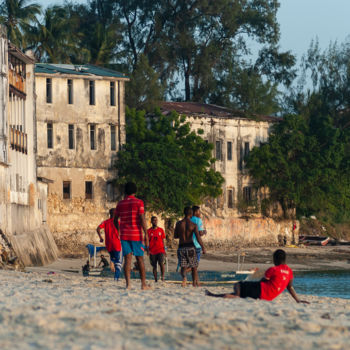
column 134, row 247
column 198, row 252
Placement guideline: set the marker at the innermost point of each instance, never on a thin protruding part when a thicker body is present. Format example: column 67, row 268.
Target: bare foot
column 128, row 287
column 146, row 287
column 184, row 282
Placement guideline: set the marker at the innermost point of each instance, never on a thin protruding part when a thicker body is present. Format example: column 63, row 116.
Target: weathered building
column 22, row 196
column 81, row 123
column 233, row 135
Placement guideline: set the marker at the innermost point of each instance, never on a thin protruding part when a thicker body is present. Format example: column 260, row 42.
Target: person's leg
column 184, row 277
column 141, row 264
column 116, row 263
column 127, row 269
column 155, row 274
column 236, row 293
column 162, row 266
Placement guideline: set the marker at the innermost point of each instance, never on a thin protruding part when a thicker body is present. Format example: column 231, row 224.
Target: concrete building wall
column 21, row 214
column 76, row 216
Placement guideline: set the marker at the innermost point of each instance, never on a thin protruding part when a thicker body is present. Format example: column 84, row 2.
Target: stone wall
column 256, row 232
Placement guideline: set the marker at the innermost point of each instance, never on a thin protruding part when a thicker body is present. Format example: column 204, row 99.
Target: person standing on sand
column 276, row 280
column 157, row 252
column 196, row 219
column 131, row 212
column 112, row 241
column 187, row 252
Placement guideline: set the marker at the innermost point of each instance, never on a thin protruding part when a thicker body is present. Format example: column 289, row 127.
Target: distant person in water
column 275, row 281
column 184, row 230
column 113, row 245
column 157, row 252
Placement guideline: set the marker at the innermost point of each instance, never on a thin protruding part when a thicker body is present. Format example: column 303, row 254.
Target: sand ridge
column 68, row 311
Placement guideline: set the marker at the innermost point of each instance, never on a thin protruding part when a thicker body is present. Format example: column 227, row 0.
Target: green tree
column 17, row 16
column 170, row 164
column 144, row 90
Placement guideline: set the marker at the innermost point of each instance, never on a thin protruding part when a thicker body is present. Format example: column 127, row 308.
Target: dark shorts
column 250, row 290
column 157, row 258
column 187, row 256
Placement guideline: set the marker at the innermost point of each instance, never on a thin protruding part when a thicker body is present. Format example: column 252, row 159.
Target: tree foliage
column 170, row 164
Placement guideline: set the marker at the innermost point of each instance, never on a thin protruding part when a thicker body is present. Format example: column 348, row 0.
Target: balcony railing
column 18, row 140
column 17, row 80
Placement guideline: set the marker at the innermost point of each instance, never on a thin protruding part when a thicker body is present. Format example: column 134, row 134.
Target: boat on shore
column 314, row 240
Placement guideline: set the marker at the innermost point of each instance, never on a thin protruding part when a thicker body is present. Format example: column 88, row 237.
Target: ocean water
column 323, row 283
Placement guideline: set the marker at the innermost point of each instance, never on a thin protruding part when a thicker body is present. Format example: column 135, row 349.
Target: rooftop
column 202, row 109
column 79, row 69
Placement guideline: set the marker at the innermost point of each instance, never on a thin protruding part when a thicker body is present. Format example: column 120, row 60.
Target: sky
column 301, row 21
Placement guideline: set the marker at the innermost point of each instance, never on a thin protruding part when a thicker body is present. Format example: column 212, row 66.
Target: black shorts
column 250, row 290
column 157, row 258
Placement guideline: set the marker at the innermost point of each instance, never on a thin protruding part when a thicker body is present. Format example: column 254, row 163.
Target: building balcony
column 17, row 81
column 18, row 140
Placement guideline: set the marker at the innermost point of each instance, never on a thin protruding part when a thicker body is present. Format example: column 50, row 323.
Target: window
column 49, row 135
column 88, row 189
column 229, row 150
column 71, row 136
column 66, row 189
column 113, row 138
column 48, row 90
column 218, row 150
column 230, row 198
column 240, row 159
column 92, row 137
column 112, row 192
column 247, row 193
column 112, row 93
column 92, row 92
column 70, row 91
column 246, row 149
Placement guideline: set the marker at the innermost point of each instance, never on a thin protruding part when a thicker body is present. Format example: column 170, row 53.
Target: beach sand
column 67, row 311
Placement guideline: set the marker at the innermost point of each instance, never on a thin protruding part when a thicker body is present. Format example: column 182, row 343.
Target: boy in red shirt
column 157, row 252
column 276, row 280
column 113, row 244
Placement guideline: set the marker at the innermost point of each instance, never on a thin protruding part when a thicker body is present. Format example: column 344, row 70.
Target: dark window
column 88, row 189
column 113, row 138
column 112, row 192
column 247, row 193
column 246, row 149
column 92, row 92
column 92, row 137
column 218, row 150
column 70, row 91
column 240, row 158
column 48, row 90
column 112, row 93
column 71, row 136
column 229, row 150
column 49, row 135
column 230, row 198
column 66, row 189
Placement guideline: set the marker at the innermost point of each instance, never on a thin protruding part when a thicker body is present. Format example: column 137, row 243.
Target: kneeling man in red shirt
column 275, row 281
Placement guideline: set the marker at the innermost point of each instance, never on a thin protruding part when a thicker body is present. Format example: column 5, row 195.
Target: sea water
column 323, row 283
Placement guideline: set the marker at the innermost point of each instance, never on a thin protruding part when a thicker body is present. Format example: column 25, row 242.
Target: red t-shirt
column 278, row 279
column 111, row 236
column 156, row 237
column 129, row 211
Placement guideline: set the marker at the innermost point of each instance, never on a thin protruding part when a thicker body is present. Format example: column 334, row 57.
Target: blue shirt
column 199, row 223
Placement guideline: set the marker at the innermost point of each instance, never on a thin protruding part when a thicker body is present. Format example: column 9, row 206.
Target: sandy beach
column 67, row 311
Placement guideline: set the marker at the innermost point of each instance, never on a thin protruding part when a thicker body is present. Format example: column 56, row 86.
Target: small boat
column 314, row 240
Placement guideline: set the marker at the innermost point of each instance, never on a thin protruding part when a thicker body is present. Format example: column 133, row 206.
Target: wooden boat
column 314, row 240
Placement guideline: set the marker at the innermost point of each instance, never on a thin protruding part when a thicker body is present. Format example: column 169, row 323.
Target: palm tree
column 17, row 16
column 54, row 38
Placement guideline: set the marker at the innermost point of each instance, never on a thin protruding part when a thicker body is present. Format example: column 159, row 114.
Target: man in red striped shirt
column 131, row 213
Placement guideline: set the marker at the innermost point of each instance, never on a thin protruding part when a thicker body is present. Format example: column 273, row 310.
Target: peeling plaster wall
column 76, row 218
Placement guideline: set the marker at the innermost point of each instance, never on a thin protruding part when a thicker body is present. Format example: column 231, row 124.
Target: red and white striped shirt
column 129, row 211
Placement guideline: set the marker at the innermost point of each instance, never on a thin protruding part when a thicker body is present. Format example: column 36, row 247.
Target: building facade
column 236, row 215
column 23, row 196
column 81, row 123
